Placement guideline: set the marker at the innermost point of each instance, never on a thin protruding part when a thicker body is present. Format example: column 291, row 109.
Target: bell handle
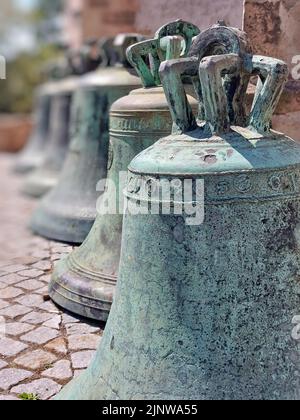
column 171, row 74
column 138, row 56
column 121, row 43
column 273, row 75
column 171, row 41
column 215, row 99
column 219, row 39
column 180, row 28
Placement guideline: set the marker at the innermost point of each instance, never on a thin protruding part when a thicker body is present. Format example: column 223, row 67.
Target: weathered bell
column 32, row 154
column 84, row 283
column 45, row 177
column 68, row 212
column 205, row 305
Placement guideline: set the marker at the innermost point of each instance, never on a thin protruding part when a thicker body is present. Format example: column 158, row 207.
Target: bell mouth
column 79, row 294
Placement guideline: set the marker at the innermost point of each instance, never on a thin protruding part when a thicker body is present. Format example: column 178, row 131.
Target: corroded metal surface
column 206, row 311
column 52, row 149
column 85, row 282
column 45, row 177
column 68, row 212
column 32, row 155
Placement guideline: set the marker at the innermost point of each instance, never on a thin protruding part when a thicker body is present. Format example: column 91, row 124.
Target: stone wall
column 73, row 31
column 274, row 29
column 152, row 14
column 109, row 17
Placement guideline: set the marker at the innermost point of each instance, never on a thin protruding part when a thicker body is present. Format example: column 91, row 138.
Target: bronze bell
column 68, row 212
column 32, row 154
column 84, row 283
column 205, row 306
column 45, row 177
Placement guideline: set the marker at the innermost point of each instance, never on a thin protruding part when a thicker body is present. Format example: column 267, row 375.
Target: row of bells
column 201, row 310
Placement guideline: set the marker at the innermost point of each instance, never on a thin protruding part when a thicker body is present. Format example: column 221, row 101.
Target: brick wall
column 274, row 29
column 110, row 17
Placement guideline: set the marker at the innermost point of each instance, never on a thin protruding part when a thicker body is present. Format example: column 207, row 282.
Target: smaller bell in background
column 68, row 212
column 84, row 283
column 33, row 153
column 45, row 177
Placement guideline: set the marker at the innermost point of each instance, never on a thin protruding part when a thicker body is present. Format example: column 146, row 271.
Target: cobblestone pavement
column 41, row 347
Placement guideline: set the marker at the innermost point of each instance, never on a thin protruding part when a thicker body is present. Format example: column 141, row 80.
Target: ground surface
column 41, row 347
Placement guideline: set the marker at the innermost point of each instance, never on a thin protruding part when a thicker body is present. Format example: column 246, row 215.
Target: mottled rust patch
column 263, row 23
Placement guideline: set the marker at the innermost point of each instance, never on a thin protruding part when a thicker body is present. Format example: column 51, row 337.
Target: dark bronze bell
column 84, row 283
column 68, row 212
column 205, row 305
column 45, row 177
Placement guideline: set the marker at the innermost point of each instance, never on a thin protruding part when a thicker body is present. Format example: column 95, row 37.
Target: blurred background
column 32, row 32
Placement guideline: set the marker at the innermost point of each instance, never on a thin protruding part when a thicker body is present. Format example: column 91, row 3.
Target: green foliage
column 23, row 76
column 24, row 70
column 25, row 396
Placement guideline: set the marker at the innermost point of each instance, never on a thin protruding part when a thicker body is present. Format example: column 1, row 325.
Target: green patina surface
column 206, row 311
column 85, row 282
column 68, row 212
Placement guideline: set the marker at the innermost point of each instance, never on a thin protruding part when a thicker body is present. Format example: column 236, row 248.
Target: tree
column 24, row 66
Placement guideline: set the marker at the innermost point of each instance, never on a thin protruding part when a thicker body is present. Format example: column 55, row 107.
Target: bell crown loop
column 120, row 45
column 221, row 83
column 172, row 40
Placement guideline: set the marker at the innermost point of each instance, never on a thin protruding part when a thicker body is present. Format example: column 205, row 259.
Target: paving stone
column 36, row 318
column 54, row 322
column 42, row 291
column 14, row 311
column 10, row 377
column 61, row 248
column 27, row 260
column 2, row 285
column 8, row 398
column 35, row 359
column 69, row 319
column 58, row 345
column 56, row 257
column 43, row 388
column 32, row 274
column 83, row 342
column 50, row 307
column 2, row 364
column 61, row 370
column 14, row 268
column 40, row 336
column 31, row 284
column 42, row 265
column 41, row 255
column 46, row 278
column 9, row 347
column 3, row 303
column 11, row 279
column 10, row 292
column 77, row 373
column 81, row 329
column 17, row 328
column 82, row 359
column 33, row 300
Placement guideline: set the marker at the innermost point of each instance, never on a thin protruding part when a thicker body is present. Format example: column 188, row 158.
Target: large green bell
column 45, row 176
column 68, row 212
column 204, row 305
column 84, row 282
